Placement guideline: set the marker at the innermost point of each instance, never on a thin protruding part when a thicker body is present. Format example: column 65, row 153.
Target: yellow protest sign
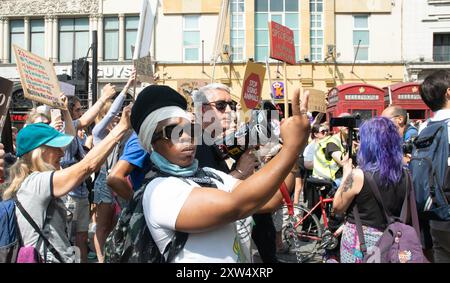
column 38, row 78
column 252, row 86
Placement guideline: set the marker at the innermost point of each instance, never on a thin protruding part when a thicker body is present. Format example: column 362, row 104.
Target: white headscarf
column 148, row 127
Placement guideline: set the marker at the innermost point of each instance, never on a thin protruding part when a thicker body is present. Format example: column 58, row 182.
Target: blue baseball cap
column 36, row 135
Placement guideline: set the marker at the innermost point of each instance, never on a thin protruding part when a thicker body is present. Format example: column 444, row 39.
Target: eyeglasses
column 221, row 105
column 177, row 131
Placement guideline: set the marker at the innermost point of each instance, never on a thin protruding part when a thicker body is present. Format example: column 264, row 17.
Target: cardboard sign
column 68, row 89
column 282, row 45
column 252, row 86
column 317, row 101
column 145, row 28
column 144, row 68
column 38, row 78
column 5, row 98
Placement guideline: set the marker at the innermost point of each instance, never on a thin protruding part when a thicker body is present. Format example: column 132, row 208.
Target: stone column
column 6, row 44
column 26, row 33
column 100, row 29
column 55, row 51
column 2, row 35
column 122, row 37
column 48, row 37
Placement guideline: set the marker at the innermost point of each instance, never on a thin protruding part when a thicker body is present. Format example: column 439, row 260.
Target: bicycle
column 304, row 232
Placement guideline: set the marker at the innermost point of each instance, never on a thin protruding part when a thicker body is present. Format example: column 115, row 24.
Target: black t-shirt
column 368, row 208
column 209, row 156
column 329, row 149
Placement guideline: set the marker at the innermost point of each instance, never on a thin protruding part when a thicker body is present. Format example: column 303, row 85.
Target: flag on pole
column 221, row 25
column 145, row 29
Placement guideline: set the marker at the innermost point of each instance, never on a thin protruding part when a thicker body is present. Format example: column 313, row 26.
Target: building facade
column 378, row 42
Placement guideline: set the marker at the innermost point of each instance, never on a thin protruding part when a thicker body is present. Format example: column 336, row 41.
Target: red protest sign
column 281, row 43
column 252, row 86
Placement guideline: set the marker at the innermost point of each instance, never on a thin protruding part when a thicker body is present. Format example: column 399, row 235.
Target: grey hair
column 205, row 94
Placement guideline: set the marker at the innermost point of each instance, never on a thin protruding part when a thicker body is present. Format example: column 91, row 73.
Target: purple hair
column 381, row 150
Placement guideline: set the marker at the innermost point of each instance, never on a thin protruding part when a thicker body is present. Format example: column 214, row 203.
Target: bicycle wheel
column 302, row 238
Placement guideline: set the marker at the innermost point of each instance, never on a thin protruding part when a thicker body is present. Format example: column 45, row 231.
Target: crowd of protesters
column 71, row 180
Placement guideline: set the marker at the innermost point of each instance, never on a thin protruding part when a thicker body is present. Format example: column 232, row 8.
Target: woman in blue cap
column 37, row 183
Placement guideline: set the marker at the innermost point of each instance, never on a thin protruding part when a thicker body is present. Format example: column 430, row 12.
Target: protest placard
column 5, row 97
column 281, row 43
column 252, row 86
column 38, row 78
column 317, row 101
column 67, row 89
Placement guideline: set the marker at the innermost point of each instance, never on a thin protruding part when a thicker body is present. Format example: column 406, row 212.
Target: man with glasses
column 218, row 119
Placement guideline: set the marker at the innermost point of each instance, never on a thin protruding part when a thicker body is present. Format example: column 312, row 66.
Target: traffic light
column 80, row 75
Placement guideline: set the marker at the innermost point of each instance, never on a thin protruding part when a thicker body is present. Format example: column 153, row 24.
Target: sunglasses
column 221, row 105
column 176, row 131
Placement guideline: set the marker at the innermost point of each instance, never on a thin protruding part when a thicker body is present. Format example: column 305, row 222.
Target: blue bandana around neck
column 164, row 165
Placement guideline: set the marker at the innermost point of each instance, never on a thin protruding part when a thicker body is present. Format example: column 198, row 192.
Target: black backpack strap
column 409, row 207
column 359, row 229
column 38, row 230
column 175, row 246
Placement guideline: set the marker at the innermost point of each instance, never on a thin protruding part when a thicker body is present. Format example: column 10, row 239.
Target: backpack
column 400, row 242
column 430, row 171
column 11, row 246
column 131, row 240
column 9, row 238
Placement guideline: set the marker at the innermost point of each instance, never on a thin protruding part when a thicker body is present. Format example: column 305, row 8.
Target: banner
column 145, row 29
column 5, row 98
column 317, row 101
column 252, row 86
column 38, row 78
column 282, row 45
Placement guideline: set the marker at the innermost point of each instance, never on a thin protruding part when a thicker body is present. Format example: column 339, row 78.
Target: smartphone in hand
column 55, row 115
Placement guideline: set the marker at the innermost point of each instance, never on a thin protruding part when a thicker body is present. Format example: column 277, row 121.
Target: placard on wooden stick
column 252, row 86
column 317, row 101
column 38, row 78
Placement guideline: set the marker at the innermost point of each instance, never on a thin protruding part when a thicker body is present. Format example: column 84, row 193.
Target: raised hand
column 295, row 129
column 108, row 92
column 125, row 119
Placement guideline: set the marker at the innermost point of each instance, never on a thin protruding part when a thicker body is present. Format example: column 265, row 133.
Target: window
column 111, row 42
column 17, row 37
column 37, row 42
column 361, row 37
column 131, row 28
column 237, row 30
column 316, row 32
column 441, row 47
column 73, row 39
column 191, row 38
column 285, row 12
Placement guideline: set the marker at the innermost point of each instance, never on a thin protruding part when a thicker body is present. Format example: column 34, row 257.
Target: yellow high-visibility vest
column 322, row 167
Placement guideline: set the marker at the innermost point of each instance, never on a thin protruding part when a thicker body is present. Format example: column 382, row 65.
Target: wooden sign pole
column 286, row 98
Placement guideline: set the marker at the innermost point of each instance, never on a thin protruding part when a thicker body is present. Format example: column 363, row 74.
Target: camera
column 259, row 131
column 407, row 146
column 352, row 123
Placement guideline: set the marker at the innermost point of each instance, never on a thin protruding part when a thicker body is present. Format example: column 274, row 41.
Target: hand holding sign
column 38, row 78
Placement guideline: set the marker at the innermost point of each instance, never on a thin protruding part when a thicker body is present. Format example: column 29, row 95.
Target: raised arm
column 67, row 118
column 88, row 117
column 69, row 178
column 207, row 208
column 100, row 130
